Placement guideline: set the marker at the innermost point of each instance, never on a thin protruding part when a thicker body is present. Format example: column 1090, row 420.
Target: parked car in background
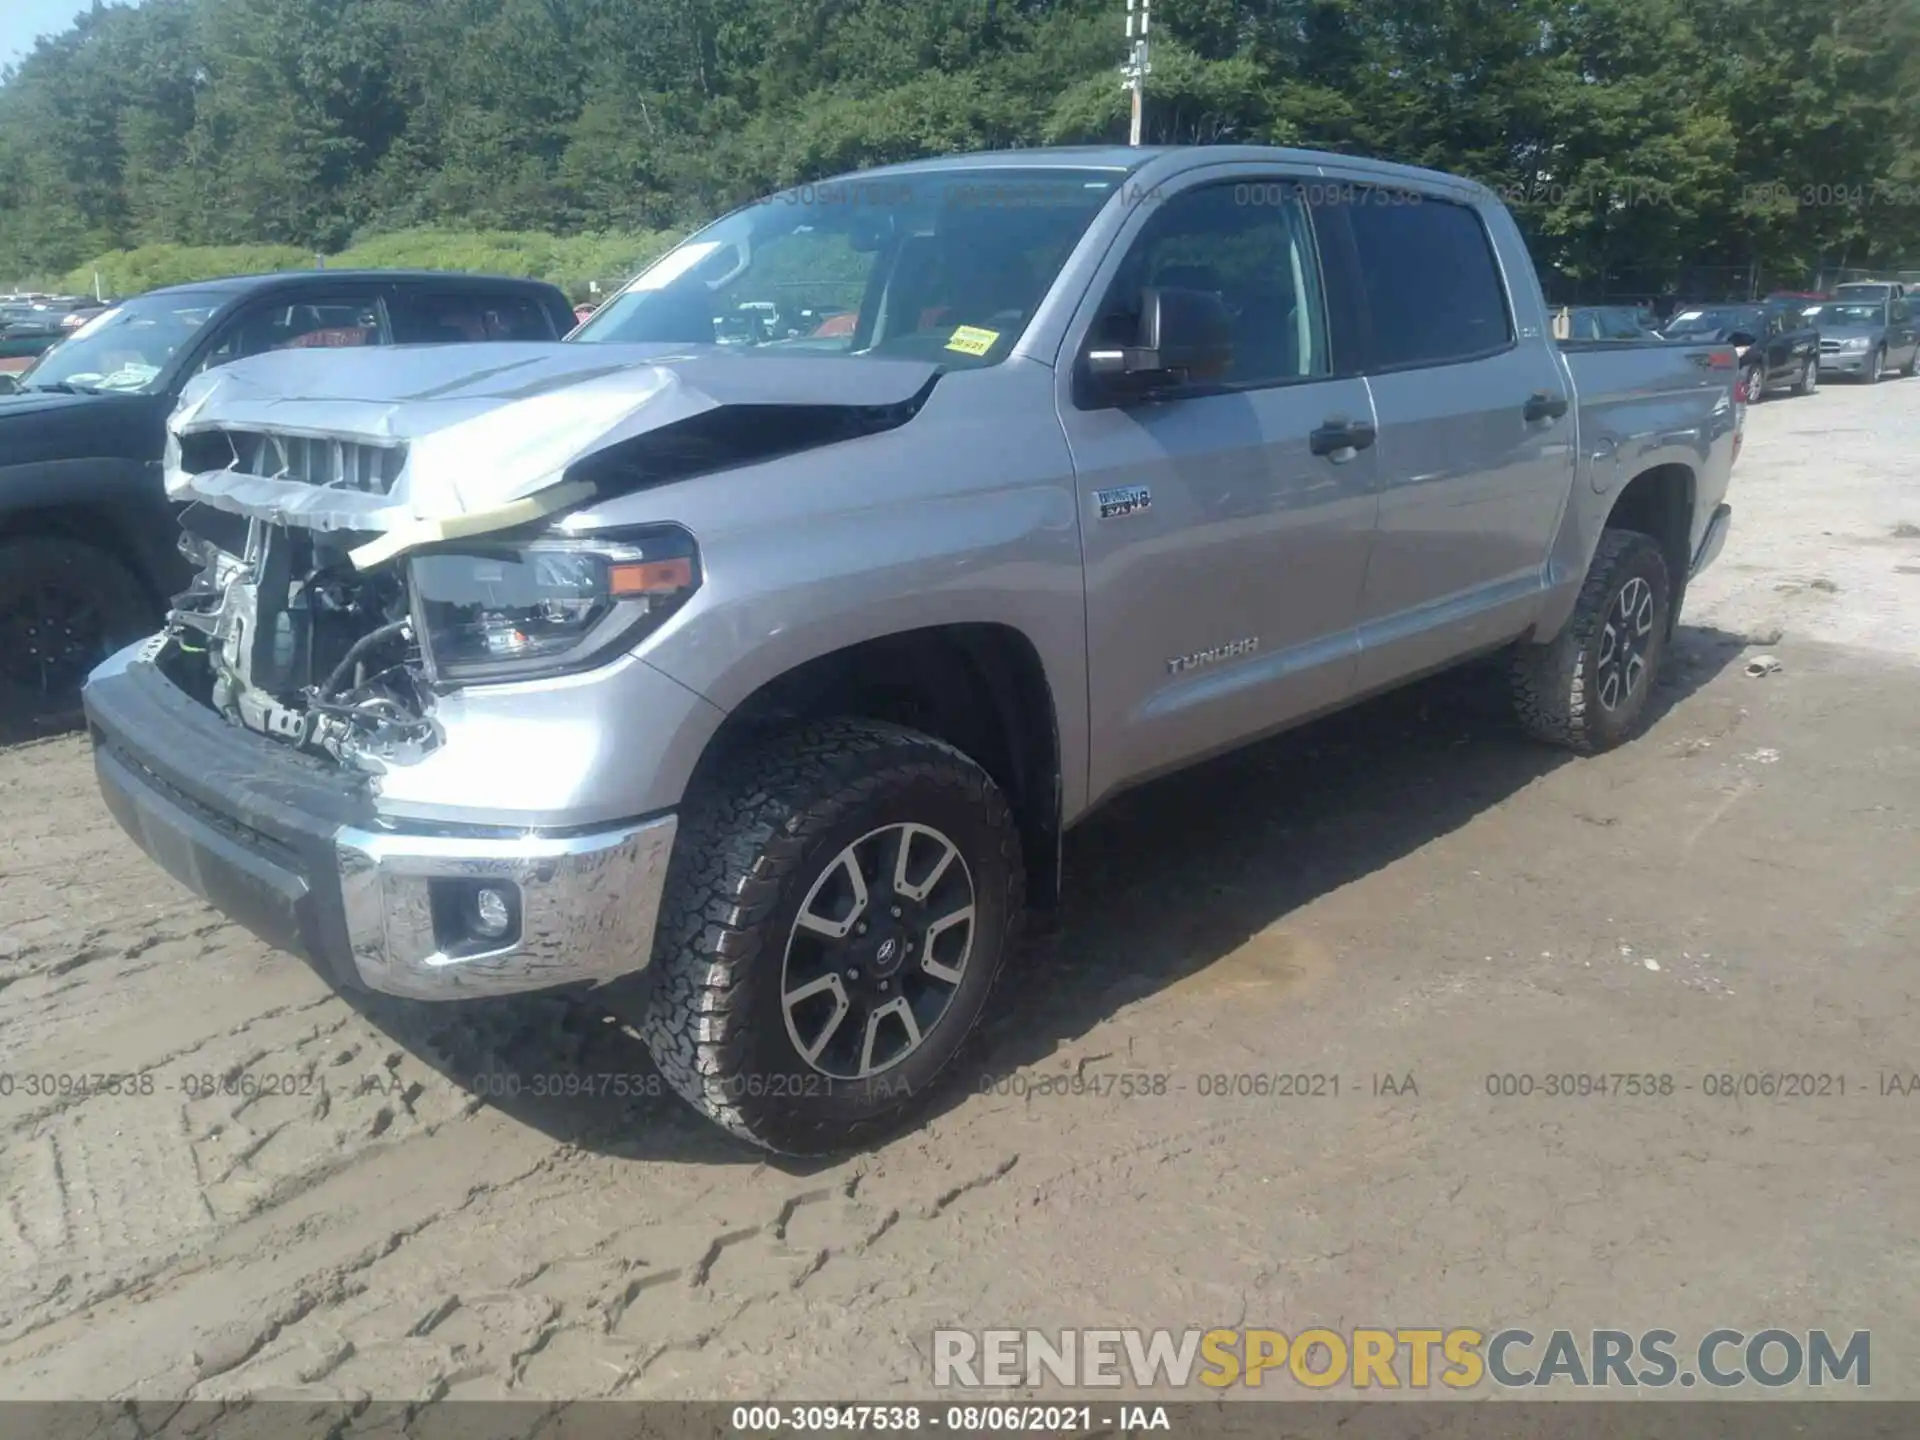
column 1863, row 339
column 29, row 329
column 89, row 544
column 1871, row 290
column 1776, row 343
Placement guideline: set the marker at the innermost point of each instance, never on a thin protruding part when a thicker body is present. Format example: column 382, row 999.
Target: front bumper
column 1844, row 362
column 293, row 848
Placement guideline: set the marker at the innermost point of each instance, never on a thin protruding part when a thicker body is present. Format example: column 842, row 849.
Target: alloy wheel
column 1625, row 639
column 877, row 951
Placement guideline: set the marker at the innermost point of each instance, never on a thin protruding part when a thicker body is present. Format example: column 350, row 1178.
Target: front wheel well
column 980, row 687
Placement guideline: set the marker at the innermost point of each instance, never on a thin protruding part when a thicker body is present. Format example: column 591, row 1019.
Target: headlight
column 1855, row 342
column 518, row 610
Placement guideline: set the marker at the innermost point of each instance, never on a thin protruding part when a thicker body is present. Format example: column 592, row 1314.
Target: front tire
column 1876, row 363
column 64, row 607
column 1587, row 689
column 1756, row 383
column 838, row 905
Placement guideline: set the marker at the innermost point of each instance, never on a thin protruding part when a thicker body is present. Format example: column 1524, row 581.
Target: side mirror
column 1185, row 336
column 9, row 384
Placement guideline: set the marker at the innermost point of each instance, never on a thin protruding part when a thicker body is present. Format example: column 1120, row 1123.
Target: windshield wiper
column 65, row 387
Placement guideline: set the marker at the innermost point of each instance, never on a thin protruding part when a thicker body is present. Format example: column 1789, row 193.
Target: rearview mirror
column 9, row 384
column 1185, row 336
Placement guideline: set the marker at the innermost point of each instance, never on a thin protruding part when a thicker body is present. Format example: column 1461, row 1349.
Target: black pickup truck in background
column 1776, row 342
column 89, row 544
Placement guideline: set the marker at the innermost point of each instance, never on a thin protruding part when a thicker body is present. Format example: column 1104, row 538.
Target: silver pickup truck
column 755, row 647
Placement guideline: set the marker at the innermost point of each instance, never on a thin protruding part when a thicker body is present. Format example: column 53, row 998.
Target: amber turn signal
column 630, row 578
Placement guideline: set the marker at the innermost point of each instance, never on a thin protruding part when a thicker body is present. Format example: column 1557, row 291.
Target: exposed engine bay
column 281, row 634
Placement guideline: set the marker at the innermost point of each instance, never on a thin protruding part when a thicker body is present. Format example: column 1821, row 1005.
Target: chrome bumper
column 586, row 908
column 297, row 851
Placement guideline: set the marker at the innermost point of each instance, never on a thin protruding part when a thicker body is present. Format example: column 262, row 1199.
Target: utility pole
column 1138, row 67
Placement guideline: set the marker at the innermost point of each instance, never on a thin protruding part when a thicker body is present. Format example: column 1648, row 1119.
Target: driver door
column 1225, row 540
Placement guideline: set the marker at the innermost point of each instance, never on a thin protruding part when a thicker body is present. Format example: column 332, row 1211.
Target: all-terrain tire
column 64, row 607
column 753, row 845
column 1561, row 690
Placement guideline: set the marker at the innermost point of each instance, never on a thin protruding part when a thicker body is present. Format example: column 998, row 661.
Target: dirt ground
column 1409, row 891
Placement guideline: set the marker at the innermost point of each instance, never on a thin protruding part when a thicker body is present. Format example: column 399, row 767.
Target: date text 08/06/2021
column 1010, row 1418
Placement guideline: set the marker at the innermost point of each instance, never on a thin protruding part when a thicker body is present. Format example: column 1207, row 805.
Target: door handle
column 1334, row 436
column 1543, row 406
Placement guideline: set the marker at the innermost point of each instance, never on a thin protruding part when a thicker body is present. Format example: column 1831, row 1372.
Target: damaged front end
column 373, row 530
column 283, row 635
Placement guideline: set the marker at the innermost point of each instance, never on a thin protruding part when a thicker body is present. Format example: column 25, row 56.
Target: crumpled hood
column 490, row 431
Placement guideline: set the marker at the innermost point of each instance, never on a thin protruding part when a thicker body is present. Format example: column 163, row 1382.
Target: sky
column 22, row 20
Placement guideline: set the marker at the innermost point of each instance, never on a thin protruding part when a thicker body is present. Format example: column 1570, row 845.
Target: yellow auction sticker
column 970, row 340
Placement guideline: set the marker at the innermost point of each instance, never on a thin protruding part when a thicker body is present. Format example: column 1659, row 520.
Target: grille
column 362, row 465
column 1829, row 347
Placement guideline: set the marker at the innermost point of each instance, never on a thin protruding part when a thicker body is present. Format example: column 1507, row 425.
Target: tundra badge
column 1232, row 650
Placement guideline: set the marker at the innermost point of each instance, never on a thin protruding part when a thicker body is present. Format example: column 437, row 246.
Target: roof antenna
column 1138, row 67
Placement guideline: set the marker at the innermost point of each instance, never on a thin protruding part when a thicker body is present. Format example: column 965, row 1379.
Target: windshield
column 1864, row 291
column 1711, row 322
column 1852, row 314
column 127, row 347
column 948, row 266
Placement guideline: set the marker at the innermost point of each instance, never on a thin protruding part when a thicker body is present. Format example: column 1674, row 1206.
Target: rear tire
column 1912, row 365
column 1756, row 383
column 802, row 836
column 64, row 607
column 1587, row 689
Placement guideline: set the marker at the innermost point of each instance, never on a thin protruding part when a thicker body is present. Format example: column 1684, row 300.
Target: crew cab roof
column 1160, row 160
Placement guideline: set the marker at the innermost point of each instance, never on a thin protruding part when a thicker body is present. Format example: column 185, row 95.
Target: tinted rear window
column 1432, row 283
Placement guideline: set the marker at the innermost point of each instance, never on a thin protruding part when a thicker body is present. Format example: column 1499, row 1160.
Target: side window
column 455, row 317
column 321, row 322
column 1432, row 284
column 1249, row 243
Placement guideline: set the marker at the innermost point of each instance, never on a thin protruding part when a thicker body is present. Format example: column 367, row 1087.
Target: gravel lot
column 1406, row 891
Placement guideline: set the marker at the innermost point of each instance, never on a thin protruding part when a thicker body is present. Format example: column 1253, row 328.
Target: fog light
column 492, row 913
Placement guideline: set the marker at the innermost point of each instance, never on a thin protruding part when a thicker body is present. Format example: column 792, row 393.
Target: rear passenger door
column 1476, row 430
column 1224, row 524
column 451, row 315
